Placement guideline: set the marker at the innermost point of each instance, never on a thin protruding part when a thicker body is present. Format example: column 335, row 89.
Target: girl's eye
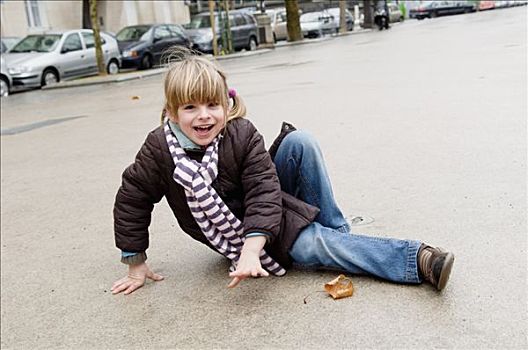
column 188, row 107
column 213, row 104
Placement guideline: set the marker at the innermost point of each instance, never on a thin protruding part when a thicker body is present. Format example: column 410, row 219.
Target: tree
column 292, row 18
column 367, row 13
column 97, row 38
column 342, row 17
column 213, row 26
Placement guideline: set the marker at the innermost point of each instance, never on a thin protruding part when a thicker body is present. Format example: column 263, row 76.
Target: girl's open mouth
column 203, row 129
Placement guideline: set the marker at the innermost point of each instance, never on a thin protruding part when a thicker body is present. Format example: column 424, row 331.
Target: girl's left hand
column 249, row 262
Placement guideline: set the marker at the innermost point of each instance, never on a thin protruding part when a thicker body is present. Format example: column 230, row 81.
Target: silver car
column 5, row 79
column 316, row 24
column 42, row 59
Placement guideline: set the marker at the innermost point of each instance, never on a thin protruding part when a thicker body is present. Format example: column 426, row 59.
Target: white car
column 5, row 79
column 42, row 59
column 316, row 24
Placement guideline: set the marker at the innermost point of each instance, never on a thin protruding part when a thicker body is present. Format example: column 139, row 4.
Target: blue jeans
column 328, row 242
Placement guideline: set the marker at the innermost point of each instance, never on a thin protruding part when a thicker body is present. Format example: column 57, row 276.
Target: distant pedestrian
column 264, row 211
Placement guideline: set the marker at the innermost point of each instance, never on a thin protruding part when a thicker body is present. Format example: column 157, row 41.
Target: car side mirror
column 64, row 50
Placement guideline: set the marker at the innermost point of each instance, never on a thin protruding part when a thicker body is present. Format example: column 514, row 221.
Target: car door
column 238, row 29
column 91, row 58
column 281, row 31
column 73, row 56
column 161, row 41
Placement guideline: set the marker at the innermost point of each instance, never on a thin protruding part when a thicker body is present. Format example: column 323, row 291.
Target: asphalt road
column 424, row 131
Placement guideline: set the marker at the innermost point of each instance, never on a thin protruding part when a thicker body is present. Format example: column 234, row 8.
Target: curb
column 120, row 77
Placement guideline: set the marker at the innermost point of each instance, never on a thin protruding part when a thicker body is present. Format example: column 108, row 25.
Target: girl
column 263, row 210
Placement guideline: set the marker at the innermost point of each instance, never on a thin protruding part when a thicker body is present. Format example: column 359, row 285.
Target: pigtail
column 238, row 109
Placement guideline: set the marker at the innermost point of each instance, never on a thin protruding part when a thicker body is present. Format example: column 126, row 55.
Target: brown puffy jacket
column 247, row 183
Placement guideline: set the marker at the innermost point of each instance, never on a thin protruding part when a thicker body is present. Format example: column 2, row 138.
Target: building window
column 33, row 13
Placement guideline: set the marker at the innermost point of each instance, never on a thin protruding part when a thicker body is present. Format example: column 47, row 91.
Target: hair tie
column 231, row 93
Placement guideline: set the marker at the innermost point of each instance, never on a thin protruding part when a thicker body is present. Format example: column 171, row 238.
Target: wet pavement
column 423, row 129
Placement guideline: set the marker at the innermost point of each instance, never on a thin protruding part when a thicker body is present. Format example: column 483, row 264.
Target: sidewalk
column 139, row 74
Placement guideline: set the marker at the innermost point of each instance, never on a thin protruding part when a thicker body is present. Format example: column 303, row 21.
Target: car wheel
column 146, row 62
column 252, row 45
column 113, row 67
column 4, row 87
column 49, row 77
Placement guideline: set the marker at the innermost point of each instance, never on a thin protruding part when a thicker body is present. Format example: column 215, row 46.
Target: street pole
column 213, row 27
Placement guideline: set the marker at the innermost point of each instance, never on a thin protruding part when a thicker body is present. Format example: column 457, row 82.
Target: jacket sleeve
column 263, row 201
column 142, row 186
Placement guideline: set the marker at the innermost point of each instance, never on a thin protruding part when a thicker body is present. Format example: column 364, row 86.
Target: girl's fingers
column 121, row 288
column 132, row 288
column 234, row 282
column 119, row 282
column 154, row 276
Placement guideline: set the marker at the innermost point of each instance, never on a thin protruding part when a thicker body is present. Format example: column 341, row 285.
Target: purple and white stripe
column 217, row 222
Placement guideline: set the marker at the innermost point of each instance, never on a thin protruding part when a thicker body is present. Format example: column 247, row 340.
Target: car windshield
column 201, row 22
column 9, row 42
column 135, row 33
column 38, row 43
column 311, row 17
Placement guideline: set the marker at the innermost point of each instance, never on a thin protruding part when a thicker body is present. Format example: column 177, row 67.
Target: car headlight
column 130, row 53
column 18, row 70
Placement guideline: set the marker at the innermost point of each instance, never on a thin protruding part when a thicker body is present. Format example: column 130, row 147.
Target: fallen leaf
column 340, row 287
column 135, row 97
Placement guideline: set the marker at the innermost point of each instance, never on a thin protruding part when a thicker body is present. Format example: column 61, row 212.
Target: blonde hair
column 192, row 78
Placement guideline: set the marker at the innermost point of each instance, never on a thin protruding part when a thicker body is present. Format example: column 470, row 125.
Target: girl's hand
column 137, row 275
column 249, row 262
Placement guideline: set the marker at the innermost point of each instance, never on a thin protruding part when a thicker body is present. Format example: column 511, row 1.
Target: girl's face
column 200, row 122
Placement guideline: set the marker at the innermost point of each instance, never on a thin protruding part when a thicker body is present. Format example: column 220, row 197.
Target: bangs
column 194, row 81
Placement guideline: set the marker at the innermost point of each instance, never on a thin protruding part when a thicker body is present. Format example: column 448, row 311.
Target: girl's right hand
column 137, row 275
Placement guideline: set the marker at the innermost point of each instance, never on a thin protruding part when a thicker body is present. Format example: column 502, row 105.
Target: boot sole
column 446, row 271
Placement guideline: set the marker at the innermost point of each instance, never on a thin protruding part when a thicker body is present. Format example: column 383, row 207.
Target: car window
column 132, row 33
column 281, row 17
column 38, row 43
column 72, row 43
column 176, row 31
column 161, row 33
column 250, row 19
column 239, row 20
column 89, row 40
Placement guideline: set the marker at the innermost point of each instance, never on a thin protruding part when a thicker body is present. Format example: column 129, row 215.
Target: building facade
column 20, row 18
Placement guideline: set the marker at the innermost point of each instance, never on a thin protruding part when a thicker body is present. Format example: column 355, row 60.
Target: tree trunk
column 293, row 24
column 342, row 17
column 228, row 28
column 213, row 26
column 367, row 13
column 97, row 37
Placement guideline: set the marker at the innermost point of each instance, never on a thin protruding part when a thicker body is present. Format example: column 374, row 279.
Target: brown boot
column 435, row 265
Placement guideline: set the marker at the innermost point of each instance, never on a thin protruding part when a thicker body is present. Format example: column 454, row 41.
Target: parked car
column 278, row 23
column 7, row 43
column 486, row 5
column 244, row 31
column 395, row 14
column 441, row 8
column 336, row 12
column 142, row 46
column 5, row 79
column 42, row 59
column 316, row 24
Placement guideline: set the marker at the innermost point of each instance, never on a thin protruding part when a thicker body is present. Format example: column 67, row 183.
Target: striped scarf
column 222, row 229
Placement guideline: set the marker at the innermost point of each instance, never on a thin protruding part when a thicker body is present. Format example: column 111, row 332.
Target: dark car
column 244, row 31
column 142, row 46
column 441, row 8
